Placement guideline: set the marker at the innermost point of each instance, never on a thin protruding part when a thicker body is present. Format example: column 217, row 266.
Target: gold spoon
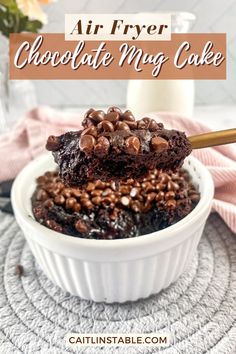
column 220, row 137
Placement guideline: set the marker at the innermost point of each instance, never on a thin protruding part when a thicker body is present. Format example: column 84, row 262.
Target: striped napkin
column 27, row 140
column 220, row 161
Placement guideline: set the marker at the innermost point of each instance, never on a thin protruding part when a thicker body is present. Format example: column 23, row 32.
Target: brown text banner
column 186, row 56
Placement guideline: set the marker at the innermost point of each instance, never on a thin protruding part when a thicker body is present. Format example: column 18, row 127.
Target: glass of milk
column 177, row 96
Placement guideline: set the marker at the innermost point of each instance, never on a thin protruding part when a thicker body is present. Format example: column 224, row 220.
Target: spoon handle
column 221, row 137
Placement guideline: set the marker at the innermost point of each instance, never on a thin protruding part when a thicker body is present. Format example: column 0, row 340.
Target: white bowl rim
column 166, row 234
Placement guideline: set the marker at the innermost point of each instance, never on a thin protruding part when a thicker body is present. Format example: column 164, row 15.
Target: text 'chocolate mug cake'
column 113, row 146
column 107, row 210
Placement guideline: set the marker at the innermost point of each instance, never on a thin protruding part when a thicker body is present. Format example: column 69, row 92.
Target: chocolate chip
column 84, row 195
column 49, row 187
column 102, row 147
column 97, row 116
column 75, row 192
column 107, row 200
column 146, row 207
column 41, row 195
column 59, row 199
column 50, row 174
column 112, row 117
column 113, row 186
column 90, row 131
column 195, row 197
column 147, row 120
column 38, row 212
column 150, row 176
column 172, row 186
column 114, row 109
column 70, row 202
column 191, row 190
column 86, row 123
column 162, row 186
column 106, row 192
column 181, row 202
column 132, row 124
column 76, row 207
column 48, row 203
column 67, row 192
column 160, row 125
column 153, row 126
column 182, row 194
column 52, row 224
column 88, row 112
column 136, row 206
column 90, row 187
column 112, row 197
column 97, row 200
column 106, row 126
column 171, row 203
column 96, row 193
column 191, row 187
column 141, row 124
column 59, row 185
column 134, row 192
column 53, row 143
column 55, row 192
column 151, row 196
column 81, row 227
column 122, row 126
column 186, row 176
column 125, row 201
column 86, row 203
column 164, row 178
column 169, row 195
column 99, row 184
column 128, row 115
column 130, row 181
column 160, row 196
column 148, row 187
column 159, row 144
column 124, row 189
column 132, row 145
column 41, row 180
column 19, row 270
column 87, row 143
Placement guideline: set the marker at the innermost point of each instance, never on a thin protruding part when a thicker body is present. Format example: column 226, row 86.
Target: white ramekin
column 112, row 270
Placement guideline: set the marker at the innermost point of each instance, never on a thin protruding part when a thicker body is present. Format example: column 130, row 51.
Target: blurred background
column 211, row 16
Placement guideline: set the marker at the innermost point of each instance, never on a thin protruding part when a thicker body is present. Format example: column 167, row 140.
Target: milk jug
column 177, row 96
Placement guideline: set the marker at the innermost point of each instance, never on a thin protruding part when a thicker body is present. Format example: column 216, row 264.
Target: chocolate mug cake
column 105, row 210
column 117, row 178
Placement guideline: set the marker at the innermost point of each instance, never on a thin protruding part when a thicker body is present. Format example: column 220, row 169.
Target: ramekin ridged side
column 116, row 281
column 112, row 270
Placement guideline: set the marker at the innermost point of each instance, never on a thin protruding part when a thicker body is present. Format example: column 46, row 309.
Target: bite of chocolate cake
column 113, row 146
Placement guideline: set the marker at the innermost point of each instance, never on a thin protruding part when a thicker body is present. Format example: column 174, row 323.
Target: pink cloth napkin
column 27, row 140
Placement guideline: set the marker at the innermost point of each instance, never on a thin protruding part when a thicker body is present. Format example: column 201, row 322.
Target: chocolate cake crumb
column 19, row 270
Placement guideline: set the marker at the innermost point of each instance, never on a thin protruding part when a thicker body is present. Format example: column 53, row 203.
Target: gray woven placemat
column 199, row 309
